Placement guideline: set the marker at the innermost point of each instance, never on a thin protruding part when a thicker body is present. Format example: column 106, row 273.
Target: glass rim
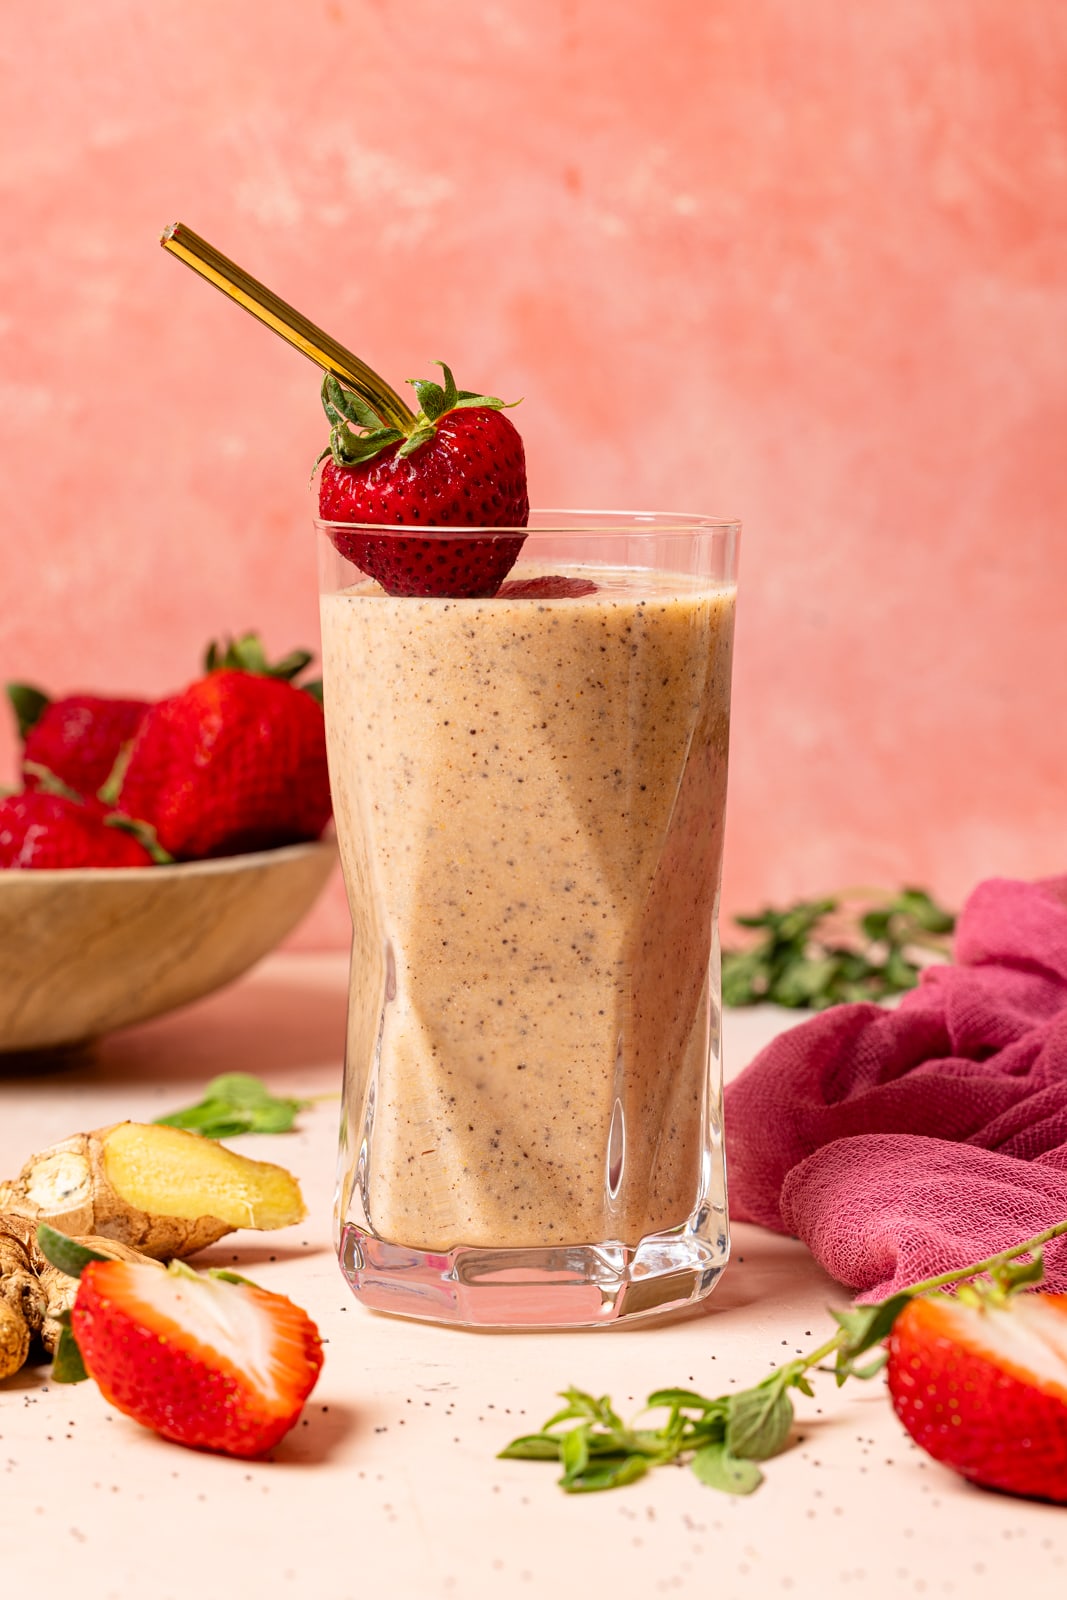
column 577, row 523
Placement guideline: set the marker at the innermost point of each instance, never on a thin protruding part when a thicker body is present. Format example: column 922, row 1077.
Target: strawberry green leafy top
column 347, row 411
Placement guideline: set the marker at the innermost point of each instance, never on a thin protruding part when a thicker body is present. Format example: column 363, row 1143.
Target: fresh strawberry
column 981, row 1385
column 551, row 587
column 39, row 829
column 236, row 762
column 78, row 737
column 461, row 464
column 205, row 1360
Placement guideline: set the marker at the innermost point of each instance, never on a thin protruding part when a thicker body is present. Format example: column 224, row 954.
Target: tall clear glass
column 529, row 794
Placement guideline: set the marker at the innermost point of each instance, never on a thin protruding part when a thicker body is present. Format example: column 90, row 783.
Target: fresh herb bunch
column 813, row 954
column 723, row 1439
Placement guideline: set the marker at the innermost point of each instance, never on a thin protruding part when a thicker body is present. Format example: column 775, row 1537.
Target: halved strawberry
column 460, row 465
column 206, row 1360
column 981, row 1385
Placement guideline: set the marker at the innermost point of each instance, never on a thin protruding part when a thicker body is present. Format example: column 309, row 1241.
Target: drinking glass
column 529, row 794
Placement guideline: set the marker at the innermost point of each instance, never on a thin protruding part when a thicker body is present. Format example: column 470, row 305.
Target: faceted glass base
column 571, row 1286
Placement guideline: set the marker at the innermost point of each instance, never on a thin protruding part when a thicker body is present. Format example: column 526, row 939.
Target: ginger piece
column 160, row 1190
column 133, row 1191
column 14, row 1341
column 19, row 1286
column 22, row 1303
column 33, row 1293
column 59, row 1291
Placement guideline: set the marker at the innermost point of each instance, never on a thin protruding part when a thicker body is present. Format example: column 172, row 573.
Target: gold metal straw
column 286, row 321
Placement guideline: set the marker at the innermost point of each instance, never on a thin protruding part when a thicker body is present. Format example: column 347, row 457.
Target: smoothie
column 529, row 797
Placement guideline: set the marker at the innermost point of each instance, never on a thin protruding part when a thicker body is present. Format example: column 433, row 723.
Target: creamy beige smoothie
column 529, row 797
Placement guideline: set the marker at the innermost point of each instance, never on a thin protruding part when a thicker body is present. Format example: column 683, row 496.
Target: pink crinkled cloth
column 898, row 1144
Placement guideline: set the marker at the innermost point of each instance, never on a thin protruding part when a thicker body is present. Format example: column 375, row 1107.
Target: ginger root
column 22, row 1304
column 14, row 1341
column 34, row 1294
column 133, row 1191
column 59, row 1291
column 160, row 1190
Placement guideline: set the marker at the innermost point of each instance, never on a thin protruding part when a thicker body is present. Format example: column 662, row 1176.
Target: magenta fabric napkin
column 902, row 1143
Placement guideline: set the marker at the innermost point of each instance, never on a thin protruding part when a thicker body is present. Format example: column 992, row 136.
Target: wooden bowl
column 86, row 950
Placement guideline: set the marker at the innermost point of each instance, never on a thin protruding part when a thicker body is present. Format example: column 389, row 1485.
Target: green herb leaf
column 1017, row 1274
column 574, row 1450
column 716, row 1467
column 866, row 1326
column 921, row 909
column 870, row 1370
column 759, row 1422
column 606, row 1474
column 66, row 1253
column 875, row 924
column 683, row 1400
column 585, row 1406
column 234, row 1103
column 67, row 1363
column 794, row 963
column 532, row 1447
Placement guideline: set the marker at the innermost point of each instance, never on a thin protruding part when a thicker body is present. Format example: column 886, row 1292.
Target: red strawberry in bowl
column 77, row 738
column 980, row 1383
column 461, row 466
column 236, row 762
column 41, row 830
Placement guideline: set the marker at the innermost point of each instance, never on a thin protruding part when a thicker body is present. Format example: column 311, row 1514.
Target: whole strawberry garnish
column 40, row 829
column 461, row 464
column 980, row 1383
column 236, row 762
column 78, row 738
column 207, row 1360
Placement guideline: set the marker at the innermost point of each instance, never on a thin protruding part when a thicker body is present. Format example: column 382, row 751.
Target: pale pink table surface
column 390, row 1486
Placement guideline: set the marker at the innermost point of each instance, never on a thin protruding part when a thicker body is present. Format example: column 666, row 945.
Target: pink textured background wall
column 794, row 260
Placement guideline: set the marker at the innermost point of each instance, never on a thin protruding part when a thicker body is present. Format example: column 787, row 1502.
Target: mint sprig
column 236, row 1102
column 801, row 959
column 723, row 1438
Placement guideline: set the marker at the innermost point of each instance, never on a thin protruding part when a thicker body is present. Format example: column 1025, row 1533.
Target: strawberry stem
column 48, row 781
